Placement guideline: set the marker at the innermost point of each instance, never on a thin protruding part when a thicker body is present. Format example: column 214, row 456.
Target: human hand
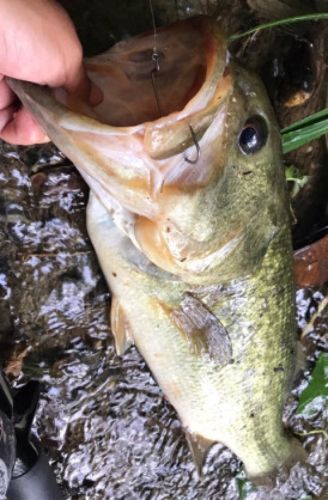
column 38, row 43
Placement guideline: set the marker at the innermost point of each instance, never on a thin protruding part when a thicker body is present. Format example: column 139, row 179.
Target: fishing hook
column 197, row 146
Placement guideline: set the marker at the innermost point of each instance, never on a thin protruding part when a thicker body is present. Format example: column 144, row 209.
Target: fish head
column 184, row 149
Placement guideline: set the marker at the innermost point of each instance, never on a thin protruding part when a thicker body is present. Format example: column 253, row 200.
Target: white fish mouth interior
column 124, row 74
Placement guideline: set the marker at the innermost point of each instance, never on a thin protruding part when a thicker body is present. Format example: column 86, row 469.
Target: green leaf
column 298, row 137
column 314, row 398
column 314, row 118
column 288, row 20
column 299, row 180
column 293, row 174
column 244, row 485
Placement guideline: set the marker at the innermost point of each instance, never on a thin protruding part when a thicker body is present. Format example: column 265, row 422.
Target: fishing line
column 192, row 132
column 156, row 60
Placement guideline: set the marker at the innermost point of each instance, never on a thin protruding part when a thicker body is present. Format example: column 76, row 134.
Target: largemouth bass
column 189, row 217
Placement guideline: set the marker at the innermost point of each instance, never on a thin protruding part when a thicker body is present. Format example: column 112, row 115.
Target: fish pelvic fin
column 199, row 447
column 120, row 327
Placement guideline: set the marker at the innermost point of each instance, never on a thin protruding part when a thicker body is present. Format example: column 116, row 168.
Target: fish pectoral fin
column 204, row 332
column 120, row 327
column 199, row 447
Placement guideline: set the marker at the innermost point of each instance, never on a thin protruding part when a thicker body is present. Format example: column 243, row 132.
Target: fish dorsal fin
column 199, row 447
column 120, row 327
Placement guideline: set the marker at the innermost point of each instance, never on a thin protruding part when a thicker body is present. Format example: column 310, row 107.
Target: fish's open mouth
column 147, row 77
column 153, row 109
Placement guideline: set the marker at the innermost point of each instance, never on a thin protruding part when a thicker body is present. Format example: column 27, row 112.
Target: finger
column 6, row 95
column 83, row 88
column 23, row 129
column 6, row 115
column 78, row 84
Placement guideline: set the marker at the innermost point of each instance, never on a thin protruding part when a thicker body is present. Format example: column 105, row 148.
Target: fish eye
column 253, row 135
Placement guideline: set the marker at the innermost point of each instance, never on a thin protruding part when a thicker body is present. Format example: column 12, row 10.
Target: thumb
column 82, row 87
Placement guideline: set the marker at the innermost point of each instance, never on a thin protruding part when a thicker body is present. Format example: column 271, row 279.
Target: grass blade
column 280, row 22
column 297, row 137
column 315, row 117
column 313, row 126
